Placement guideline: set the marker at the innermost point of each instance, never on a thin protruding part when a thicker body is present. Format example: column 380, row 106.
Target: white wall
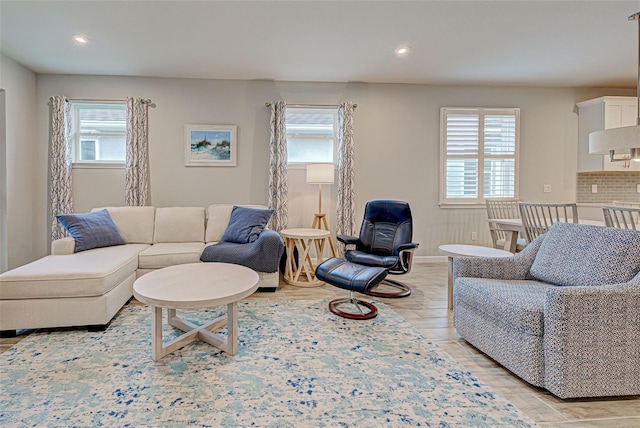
column 4, row 256
column 396, row 136
column 26, row 166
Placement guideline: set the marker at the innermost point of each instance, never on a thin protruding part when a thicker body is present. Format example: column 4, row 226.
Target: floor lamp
column 321, row 173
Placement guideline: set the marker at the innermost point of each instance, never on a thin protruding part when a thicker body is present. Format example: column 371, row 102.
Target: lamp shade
column 618, row 139
column 320, row 173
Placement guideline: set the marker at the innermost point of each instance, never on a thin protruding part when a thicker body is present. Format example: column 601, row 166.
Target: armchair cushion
column 246, row 224
column 575, row 254
column 91, row 230
column 516, row 304
column 367, row 259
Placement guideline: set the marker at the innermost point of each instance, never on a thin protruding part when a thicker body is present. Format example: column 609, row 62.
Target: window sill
column 462, row 205
column 303, row 165
column 98, row 165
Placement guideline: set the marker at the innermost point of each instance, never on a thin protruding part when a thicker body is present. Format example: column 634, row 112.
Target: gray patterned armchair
column 564, row 314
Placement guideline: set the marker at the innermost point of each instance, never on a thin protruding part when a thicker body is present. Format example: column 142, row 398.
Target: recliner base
column 403, row 289
column 371, row 312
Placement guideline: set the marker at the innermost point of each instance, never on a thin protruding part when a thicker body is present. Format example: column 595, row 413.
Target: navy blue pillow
column 91, row 230
column 246, row 224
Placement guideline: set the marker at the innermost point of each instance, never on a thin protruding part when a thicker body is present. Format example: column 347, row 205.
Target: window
column 311, row 135
column 99, row 133
column 479, row 154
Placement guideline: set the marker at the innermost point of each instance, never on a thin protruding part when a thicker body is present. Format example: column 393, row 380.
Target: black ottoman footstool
column 350, row 276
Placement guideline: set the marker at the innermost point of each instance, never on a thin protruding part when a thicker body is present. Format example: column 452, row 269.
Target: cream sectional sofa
column 89, row 287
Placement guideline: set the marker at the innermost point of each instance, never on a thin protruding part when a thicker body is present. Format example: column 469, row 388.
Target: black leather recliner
column 384, row 241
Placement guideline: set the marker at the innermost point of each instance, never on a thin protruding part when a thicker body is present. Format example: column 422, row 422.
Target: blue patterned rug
column 297, row 365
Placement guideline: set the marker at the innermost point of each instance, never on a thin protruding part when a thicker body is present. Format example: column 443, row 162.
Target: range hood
column 621, row 140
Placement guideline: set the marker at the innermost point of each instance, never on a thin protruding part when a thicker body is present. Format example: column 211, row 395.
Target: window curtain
column 278, row 179
column 61, row 163
column 346, row 199
column 137, row 165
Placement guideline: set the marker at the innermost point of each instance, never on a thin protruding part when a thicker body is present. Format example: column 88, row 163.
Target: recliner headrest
column 387, row 211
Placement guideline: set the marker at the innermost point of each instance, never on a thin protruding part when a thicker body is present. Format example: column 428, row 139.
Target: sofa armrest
column 63, row 246
column 512, row 268
column 592, row 340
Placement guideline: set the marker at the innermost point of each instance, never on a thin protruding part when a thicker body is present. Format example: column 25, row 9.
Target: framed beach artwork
column 210, row 145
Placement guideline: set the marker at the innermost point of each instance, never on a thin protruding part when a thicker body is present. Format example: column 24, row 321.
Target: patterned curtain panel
column 278, row 179
column 61, row 161
column 136, row 180
column 346, row 198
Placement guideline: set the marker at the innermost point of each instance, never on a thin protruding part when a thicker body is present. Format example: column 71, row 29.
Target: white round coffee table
column 192, row 286
column 459, row 250
column 303, row 272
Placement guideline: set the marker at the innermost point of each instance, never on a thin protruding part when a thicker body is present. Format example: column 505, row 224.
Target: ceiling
column 532, row 43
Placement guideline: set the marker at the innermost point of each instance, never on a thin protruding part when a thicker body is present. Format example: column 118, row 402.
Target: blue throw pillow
column 246, row 224
column 91, row 230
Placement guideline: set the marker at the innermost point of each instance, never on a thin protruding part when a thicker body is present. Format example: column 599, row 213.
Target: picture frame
column 210, row 145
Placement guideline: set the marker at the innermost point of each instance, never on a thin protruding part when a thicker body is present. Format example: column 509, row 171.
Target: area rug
column 297, row 365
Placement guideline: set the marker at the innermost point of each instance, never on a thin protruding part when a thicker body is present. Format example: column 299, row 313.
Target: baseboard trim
column 430, row 259
column 416, row 259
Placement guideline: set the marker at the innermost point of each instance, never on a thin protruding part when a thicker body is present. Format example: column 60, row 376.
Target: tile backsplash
column 612, row 186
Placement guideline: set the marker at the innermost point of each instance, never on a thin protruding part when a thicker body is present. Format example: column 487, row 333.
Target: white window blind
column 478, row 154
column 311, row 134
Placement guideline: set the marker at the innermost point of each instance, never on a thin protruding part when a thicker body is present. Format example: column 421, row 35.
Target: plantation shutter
column 479, row 149
column 499, row 155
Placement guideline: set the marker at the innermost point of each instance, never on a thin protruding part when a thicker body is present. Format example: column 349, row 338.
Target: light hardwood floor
column 426, row 310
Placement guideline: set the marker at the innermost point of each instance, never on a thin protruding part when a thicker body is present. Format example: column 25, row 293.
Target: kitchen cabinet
column 599, row 114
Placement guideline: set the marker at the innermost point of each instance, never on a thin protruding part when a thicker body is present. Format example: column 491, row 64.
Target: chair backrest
column 386, row 225
column 621, row 217
column 500, row 208
column 586, row 255
column 538, row 218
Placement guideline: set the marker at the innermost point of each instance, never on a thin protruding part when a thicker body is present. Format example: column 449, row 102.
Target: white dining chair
column 621, row 217
column 501, row 208
column 538, row 218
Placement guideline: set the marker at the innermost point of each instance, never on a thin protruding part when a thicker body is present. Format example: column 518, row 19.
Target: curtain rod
column 267, row 104
column 88, row 100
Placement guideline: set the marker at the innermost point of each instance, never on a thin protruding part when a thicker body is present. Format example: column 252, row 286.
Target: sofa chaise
column 564, row 314
column 70, row 288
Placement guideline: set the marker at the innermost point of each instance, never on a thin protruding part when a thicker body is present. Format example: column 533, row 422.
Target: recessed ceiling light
column 402, row 50
column 80, row 39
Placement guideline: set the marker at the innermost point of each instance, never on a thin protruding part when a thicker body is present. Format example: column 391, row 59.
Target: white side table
column 458, row 250
column 303, row 273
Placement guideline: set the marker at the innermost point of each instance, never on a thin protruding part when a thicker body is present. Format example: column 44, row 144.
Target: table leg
column 511, row 240
column 291, row 267
column 319, row 252
column 304, row 261
column 450, row 283
column 205, row 332
column 156, row 331
column 232, row 328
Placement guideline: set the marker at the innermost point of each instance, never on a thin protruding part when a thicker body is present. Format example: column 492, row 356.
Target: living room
column 397, row 127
